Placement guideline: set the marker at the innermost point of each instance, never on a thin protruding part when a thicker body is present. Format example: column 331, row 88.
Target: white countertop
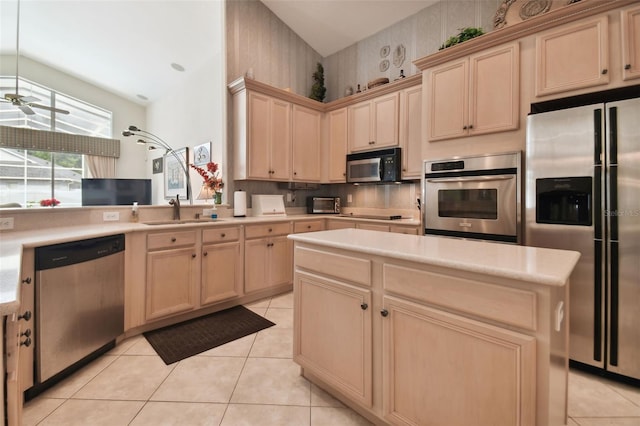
column 536, row 265
column 12, row 243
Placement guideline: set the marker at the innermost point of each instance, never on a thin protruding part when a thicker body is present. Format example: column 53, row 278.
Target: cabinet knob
column 270, row 230
column 270, row 245
column 223, row 235
column 173, row 239
column 604, row 71
column 295, row 173
column 627, row 67
column 193, row 255
column 26, row 316
column 464, row 128
column 470, row 126
column 384, row 312
column 344, row 174
column 27, row 333
column 205, row 253
column 308, row 226
column 27, row 342
column 364, row 306
column 372, row 142
column 27, row 280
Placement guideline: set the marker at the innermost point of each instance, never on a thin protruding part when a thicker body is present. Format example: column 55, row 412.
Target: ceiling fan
column 25, row 103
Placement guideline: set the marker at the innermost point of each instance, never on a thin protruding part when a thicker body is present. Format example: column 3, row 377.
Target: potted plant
column 464, row 35
column 318, row 91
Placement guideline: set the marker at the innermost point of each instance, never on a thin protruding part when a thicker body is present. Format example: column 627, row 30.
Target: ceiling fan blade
column 28, row 99
column 26, row 109
column 58, row 110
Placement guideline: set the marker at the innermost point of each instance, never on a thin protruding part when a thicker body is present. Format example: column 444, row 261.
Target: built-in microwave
column 374, row 166
column 319, row 205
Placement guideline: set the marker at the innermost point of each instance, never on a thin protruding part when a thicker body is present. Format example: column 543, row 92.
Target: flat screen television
column 115, row 192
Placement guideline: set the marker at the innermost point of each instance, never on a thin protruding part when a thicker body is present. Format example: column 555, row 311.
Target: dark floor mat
column 188, row 338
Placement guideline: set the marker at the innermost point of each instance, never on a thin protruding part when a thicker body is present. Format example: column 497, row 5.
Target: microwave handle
column 471, row 179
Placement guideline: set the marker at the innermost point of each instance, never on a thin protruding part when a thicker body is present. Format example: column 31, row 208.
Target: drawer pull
column 604, row 71
column 27, row 333
column 308, row 226
column 384, row 312
column 173, row 239
column 364, row 306
column 26, row 343
column 270, row 230
column 223, row 235
column 193, row 255
column 627, row 67
column 27, row 280
column 26, row 316
column 205, row 253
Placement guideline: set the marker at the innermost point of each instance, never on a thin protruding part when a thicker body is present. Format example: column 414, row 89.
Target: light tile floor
column 251, row 381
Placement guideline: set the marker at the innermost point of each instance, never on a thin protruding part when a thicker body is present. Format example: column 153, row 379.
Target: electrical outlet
column 6, row 223
column 110, row 216
column 289, row 197
column 349, row 198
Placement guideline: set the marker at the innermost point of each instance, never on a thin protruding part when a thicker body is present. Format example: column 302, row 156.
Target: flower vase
column 218, row 198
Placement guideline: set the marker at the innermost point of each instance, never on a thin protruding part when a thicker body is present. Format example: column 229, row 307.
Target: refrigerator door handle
column 613, row 329
column 597, row 136
column 597, row 301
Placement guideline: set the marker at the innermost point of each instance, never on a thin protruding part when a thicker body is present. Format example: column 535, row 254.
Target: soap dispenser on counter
column 134, row 212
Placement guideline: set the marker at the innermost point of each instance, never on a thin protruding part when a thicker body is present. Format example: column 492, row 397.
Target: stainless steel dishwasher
column 79, row 299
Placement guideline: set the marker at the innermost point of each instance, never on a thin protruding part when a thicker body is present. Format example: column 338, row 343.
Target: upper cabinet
column 474, row 95
column 306, row 144
column 574, row 56
column 411, row 132
column 373, row 124
column 631, row 43
column 276, row 134
column 337, row 149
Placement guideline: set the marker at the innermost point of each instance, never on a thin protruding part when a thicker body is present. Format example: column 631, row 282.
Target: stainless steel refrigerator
column 583, row 194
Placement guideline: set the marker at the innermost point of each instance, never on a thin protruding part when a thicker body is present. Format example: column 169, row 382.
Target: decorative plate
column 384, row 52
column 384, row 65
column 398, row 55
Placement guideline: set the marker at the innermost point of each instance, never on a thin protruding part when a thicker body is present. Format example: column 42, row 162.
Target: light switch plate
column 6, row 223
column 110, row 216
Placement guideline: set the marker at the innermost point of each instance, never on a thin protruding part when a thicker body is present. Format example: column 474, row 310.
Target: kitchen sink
column 182, row 221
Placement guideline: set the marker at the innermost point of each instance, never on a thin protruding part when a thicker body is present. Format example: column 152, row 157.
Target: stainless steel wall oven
column 473, row 197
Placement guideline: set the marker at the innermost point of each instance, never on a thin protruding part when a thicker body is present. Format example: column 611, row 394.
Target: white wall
column 193, row 112
column 125, row 112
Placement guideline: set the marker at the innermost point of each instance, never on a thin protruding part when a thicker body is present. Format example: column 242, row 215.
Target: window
column 29, row 176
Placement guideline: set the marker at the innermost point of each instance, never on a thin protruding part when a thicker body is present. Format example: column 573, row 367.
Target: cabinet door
column 338, row 145
column 221, row 272
column 280, row 140
column 359, row 123
column 306, row 144
column 255, row 265
column 494, row 100
column 444, row 369
column 259, row 135
column 573, row 57
column 171, row 282
column 280, row 257
column 332, row 334
column 448, row 94
column 631, row 43
column 385, row 124
column 11, row 371
column 27, row 304
column 411, row 132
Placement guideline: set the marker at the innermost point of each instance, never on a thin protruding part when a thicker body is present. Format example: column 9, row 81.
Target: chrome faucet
column 176, row 207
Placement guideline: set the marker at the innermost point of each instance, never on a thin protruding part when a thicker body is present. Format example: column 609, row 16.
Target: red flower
column 49, row 202
column 210, row 176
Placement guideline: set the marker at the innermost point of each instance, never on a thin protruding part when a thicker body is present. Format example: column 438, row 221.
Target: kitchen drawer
column 373, row 227
column 503, row 304
column 340, row 266
column 308, row 226
column 410, row 230
column 220, row 235
column 165, row 240
column 267, row 230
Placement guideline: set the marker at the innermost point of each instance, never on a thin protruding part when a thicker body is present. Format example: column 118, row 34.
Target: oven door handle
column 471, row 179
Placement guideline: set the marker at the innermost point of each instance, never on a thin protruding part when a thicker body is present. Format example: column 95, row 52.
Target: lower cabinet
column 427, row 355
column 171, row 281
column 268, row 256
column 222, row 265
column 333, row 334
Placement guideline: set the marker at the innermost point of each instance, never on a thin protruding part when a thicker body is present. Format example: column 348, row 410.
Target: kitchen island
column 416, row 330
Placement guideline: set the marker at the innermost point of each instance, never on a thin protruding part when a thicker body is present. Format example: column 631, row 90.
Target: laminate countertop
column 12, row 243
column 531, row 264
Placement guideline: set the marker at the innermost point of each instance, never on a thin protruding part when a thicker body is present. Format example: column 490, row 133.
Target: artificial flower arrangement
column 211, row 176
column 49, row 202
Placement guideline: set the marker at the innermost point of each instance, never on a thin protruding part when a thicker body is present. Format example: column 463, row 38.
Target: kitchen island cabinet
column 462, row 332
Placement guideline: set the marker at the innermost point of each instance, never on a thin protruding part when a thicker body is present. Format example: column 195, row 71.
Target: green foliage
column 464, row 35
column 318, row 91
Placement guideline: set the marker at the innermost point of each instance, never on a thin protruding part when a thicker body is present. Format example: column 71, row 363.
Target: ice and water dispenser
column 564, row 201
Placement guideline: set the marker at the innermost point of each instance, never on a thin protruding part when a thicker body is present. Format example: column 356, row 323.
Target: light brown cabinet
column 411, row 132
column 27, row 319
column 374, row 123
column 172, row 273
column 222, row 265
column 333, row 316
column 300, row 226
column 574, row 56
column 475, row 95
column 416, row 383
column 269, row 256
column 340, row 224
column 338, row 146
column 306, row 141
column 630, row 19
